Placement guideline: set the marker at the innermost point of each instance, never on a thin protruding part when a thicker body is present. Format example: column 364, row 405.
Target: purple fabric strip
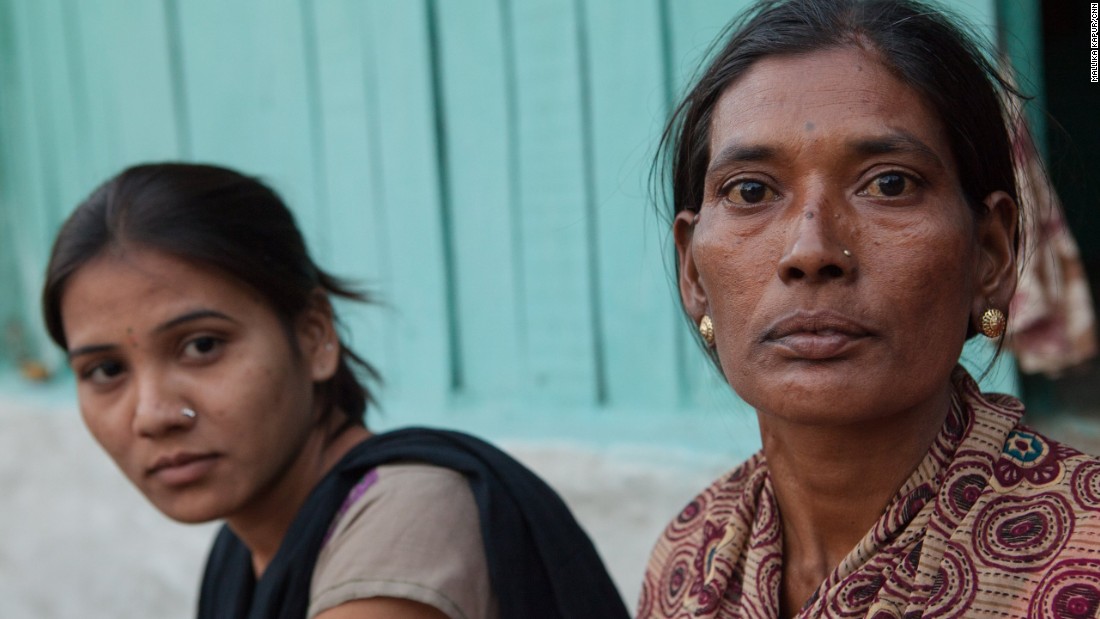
column 354, row 495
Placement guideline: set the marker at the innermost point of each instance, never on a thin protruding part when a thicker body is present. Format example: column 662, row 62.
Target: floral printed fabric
column 996, row 521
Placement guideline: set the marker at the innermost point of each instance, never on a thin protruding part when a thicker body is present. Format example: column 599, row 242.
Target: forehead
column 829, row 93
column 140, row 288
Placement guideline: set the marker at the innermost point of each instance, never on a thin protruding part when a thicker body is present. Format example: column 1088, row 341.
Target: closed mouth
column 177, row 460
column 819, row 323
column 816, row 335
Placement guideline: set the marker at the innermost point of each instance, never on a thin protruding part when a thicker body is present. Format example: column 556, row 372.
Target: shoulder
column 1034, row 532
column 408, row 531
column 720, row 501
column 722, row 513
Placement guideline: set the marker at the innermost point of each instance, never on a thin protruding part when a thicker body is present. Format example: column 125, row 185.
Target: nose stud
column 188, row 412
column 847, row 253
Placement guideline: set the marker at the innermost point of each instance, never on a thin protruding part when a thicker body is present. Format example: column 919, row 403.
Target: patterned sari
column 996, row 521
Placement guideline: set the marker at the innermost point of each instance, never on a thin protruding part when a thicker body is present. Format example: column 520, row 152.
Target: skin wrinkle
column 841, row 433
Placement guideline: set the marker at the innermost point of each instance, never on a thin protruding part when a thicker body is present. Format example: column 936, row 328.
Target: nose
column 159, row 409
column 814, row 253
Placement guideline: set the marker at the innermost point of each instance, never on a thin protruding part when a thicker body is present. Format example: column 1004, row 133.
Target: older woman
column 844, row 219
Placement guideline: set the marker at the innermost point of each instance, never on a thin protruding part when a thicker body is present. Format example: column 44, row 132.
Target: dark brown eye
column 749, row 192
column 103, row 373
column 203, row 347
column 753, row 192
column 889, row 185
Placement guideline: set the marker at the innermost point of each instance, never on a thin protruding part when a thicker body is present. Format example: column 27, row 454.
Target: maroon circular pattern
column 675, row 581
column 1022, row 534
column 955, row 585
column 902, row 580
column 956, row 423
column 1070, row 589
column 857, row 593
column 1085, row 484
column 769, row 574
column 967, row 477
column 689, row 520
column 765, row 525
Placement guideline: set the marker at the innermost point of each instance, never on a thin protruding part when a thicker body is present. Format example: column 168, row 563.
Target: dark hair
column 915, row 41
column 219, row 218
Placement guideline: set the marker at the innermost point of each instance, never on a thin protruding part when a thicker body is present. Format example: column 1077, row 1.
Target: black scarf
column 541, row 564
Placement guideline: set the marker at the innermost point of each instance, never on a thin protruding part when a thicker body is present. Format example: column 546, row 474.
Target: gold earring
column 993, row 323
column 706, row 329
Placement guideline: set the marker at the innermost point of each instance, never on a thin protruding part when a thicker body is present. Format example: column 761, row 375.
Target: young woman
column 209, row 367
column 845, row 217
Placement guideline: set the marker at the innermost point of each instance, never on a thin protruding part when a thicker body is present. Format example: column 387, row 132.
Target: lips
column 182, row 468
column 816, row 335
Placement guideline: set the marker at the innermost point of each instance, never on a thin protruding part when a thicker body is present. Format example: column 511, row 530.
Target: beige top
column 409, row 531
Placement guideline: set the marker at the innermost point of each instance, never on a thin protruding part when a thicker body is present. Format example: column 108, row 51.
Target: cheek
column 110, row 430
column 935, row 279
column 269, row 392
column 734, row 272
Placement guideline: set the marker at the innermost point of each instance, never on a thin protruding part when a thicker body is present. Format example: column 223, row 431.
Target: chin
column 187, row 508
column 814, row 399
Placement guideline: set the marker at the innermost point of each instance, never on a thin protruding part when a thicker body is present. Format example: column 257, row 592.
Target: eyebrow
column 896, row 142
column 899, row 142
column 191, row 316
column 89, row 350
column 737, row 153
column 175, row 322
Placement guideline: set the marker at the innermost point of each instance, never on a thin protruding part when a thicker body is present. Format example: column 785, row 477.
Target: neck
column 263, row 524
column 832, row 483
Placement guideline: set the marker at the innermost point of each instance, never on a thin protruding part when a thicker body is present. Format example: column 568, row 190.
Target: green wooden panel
column 129, row 113
column 58, row 100
column 410, row 197
column 561, row 335
column 479, row 124
column 481, row 163
column 350, row 170
column 12, row 320
column 627, row 100
column 36, row 188
column 247, row 96
column 692, row 27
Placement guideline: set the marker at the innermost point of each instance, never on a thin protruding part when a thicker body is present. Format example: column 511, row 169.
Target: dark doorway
column 1073, row 146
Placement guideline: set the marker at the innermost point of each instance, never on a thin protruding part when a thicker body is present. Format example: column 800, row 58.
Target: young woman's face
column 149, row 336
column 834, row 249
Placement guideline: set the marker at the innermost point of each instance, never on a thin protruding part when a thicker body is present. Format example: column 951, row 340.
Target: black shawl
column 541, row 564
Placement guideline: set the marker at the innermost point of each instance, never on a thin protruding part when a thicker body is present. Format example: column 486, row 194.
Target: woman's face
column 834, row 249
column 150, row 335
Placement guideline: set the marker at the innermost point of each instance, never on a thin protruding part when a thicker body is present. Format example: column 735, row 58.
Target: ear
column 692, row 294
column 317, row 339
column 996, row 268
